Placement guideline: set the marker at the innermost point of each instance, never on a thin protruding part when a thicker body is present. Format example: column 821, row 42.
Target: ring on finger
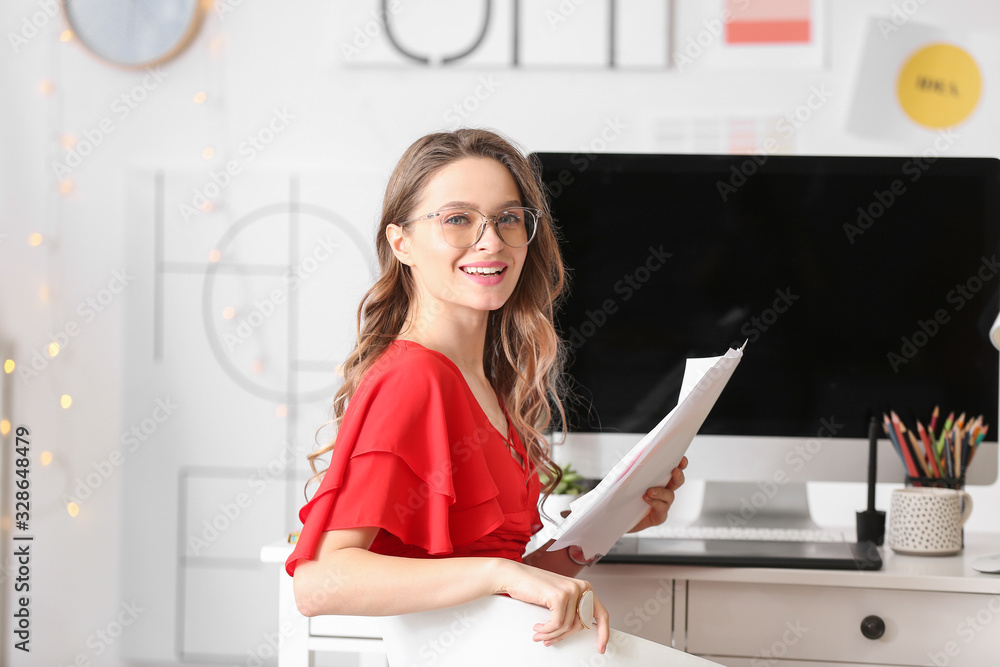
column 585, row 608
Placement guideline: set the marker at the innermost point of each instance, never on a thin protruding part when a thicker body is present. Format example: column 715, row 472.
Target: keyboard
column 745, row 533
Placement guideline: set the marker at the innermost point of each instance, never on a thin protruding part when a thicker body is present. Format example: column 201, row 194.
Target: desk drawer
column 771, row 622
column 344, row 626
column 643, row 607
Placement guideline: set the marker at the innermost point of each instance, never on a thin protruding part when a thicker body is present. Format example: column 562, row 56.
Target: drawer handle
column 872, row 627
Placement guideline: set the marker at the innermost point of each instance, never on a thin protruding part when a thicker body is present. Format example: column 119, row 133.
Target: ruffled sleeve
column 407, row 460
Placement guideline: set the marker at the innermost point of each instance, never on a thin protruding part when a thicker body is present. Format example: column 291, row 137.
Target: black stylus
column 871, row 522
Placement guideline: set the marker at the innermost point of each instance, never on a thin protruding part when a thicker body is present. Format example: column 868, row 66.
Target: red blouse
column 418, row 458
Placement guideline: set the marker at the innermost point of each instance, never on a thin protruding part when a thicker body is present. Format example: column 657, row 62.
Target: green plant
column 572, row 482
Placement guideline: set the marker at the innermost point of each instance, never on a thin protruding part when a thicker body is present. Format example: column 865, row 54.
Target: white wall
column 347, row 119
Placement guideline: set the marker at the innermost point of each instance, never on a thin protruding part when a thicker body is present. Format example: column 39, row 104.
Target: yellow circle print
column 939, row 85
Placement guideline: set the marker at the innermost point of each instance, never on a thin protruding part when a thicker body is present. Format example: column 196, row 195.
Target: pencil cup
column 927, row 521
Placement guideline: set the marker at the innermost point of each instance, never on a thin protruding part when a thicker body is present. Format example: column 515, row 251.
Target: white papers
column 601, row 517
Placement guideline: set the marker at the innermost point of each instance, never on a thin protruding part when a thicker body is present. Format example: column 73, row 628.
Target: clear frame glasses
column 463, row 227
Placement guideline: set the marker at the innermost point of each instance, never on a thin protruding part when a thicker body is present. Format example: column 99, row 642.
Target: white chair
column 497, row 630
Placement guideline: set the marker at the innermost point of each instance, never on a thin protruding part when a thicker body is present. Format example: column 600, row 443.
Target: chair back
column 497, row 630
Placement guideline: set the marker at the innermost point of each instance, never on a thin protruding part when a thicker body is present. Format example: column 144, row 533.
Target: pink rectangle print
column 768, row 21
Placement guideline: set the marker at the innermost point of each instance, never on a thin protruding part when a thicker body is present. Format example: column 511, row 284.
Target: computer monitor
column 861, row 285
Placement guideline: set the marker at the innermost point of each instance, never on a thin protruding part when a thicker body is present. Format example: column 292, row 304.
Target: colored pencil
column 929, row 448
column 944, row 431
column 956, row 445
column 966, row 451
column 917, row 452
column 892, row 438
column 982, row 436
column 911, row 465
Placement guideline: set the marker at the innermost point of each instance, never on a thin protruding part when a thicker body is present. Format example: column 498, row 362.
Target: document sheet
column 599, row 518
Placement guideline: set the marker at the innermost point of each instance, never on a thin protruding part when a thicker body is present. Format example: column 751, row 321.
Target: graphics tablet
column 746, row 553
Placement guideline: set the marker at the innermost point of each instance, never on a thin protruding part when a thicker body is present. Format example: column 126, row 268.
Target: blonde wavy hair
column 524, row 357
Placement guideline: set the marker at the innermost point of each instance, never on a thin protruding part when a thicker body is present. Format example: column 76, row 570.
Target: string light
column 8, row 366
column 4, row 426
column 47, row 87
column 62, row 187
column 207, row 206
column 281, row 410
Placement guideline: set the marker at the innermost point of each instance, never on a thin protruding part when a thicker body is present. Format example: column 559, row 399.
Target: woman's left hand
column 660, row 498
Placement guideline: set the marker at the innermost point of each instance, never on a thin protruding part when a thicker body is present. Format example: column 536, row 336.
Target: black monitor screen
column 862, row 285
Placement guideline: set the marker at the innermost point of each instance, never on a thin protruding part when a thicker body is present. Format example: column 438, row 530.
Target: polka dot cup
column 927, row 521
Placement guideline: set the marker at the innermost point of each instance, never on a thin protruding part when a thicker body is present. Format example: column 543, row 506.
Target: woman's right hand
column 559, row 594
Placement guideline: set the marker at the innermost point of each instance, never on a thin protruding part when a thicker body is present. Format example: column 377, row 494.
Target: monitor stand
column 755, row 505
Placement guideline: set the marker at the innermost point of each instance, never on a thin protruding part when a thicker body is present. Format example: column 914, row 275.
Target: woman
column 432, row 489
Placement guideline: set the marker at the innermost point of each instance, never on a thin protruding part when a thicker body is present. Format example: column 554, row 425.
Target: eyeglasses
column 463, row 227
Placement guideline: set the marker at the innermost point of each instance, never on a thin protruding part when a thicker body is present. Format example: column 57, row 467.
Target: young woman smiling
column 432, row 489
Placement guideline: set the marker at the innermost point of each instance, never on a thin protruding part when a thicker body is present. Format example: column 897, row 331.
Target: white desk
column 936, row 611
